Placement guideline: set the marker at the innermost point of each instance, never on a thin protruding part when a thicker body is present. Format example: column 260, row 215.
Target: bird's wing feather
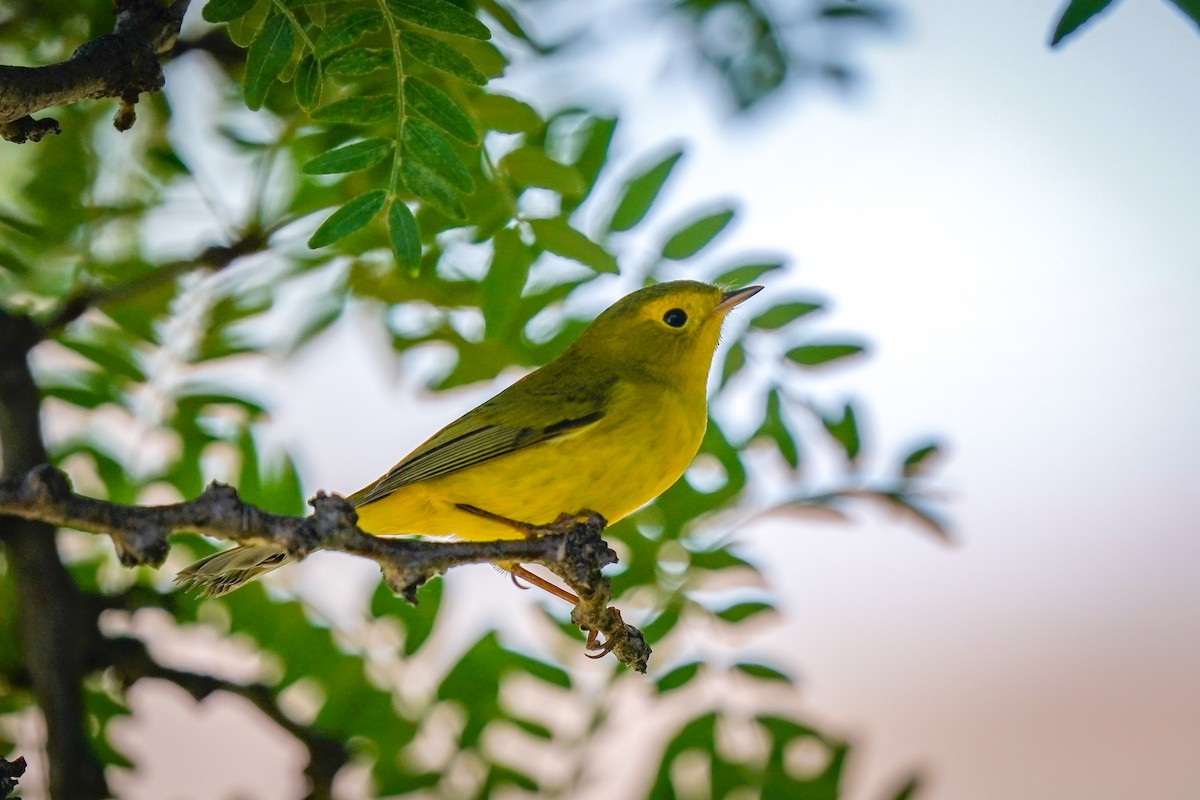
column 489, row 431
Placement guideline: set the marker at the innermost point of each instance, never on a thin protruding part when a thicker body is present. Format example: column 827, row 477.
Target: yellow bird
column 607, row 427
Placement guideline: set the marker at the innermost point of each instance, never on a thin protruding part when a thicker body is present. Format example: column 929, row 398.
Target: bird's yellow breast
column 646, row 438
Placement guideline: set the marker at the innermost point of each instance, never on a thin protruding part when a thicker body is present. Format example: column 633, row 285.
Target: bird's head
column 666, row 332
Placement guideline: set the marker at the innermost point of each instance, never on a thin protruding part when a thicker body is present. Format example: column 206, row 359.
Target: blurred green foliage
column 423, row 196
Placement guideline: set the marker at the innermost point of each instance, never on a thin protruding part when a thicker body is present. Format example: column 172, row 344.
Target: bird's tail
column 231, row 569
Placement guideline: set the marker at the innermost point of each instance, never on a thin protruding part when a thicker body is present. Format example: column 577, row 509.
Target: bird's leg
column 559, row 526
column 518, row 571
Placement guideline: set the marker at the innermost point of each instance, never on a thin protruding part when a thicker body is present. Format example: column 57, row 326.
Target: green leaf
column 349, row 218
column 530, row 166
column 360, row 61
column 532, row 728
column 592, row 158
column 441, row 56
column 561, row 239
column 640, row 192
column 1074, row 15
column 404, row 235
column 1189, row 7
column 735, row 359
column 745, row 274
column 844, row 428
column 918, row 460
column 678, row 677
column 498, row 112
column 782, row 314
column 243, row 29
column 107, row 350
column 505, row 280
column 685, row 242
column 427, row 144
column 225, row 10
column 358, row 110
column 307, row 82
column 743, row 611
column 350, row 158
column 430, row 187
column 763, row 673
column 812, row 355
column 347, row 29
column 269, row 53
column 908, row 789
column 439, row 15
column 775, row 428
column 436, row 106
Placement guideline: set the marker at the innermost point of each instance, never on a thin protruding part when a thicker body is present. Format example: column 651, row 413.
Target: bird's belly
column 613, row 468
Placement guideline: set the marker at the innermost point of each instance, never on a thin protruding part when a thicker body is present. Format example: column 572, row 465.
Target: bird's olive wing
column 494, row 429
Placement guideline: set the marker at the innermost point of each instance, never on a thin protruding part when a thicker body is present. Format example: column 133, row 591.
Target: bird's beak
column 731, row 299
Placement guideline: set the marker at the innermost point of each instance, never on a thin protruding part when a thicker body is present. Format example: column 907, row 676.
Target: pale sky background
column 1017, row 230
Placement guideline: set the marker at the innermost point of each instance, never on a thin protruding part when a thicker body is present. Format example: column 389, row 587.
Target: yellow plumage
column 606, row 427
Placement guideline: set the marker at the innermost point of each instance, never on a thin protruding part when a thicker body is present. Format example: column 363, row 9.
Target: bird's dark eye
column 676, row 317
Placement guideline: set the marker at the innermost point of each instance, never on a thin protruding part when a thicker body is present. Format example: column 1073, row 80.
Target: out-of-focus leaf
column 775, row 428
column 745, row 274
column 561, row 239
column 812, row 355
column 439, row 15
column 307, row 82
column 225, row 10
column 357, row 110
column 404, row 235
column 743, row 611
column 346, row 29
column 908, row 790
column 506, row 277
column 844, row 429
column 350, row 158
column 918, row 460
column 428, row 145
column 530, row 166
column 916, row 512
column 592, row 158
column 692, row 237
column 640, row 192
column 1189, row 7
column 1075, row 15
column 498, row 112
column 441, row 56
column 763, row 672
column 269, row 53
column 349, row 218
column 783, row 314
column 735, row 359
column 678, row 677
column 436, row 106
column 108, row 350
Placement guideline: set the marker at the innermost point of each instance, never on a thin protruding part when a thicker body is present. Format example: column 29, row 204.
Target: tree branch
column 141, row 536
column 121, row 64
column 55, row 622
column 9, row 772
column 326, row 755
